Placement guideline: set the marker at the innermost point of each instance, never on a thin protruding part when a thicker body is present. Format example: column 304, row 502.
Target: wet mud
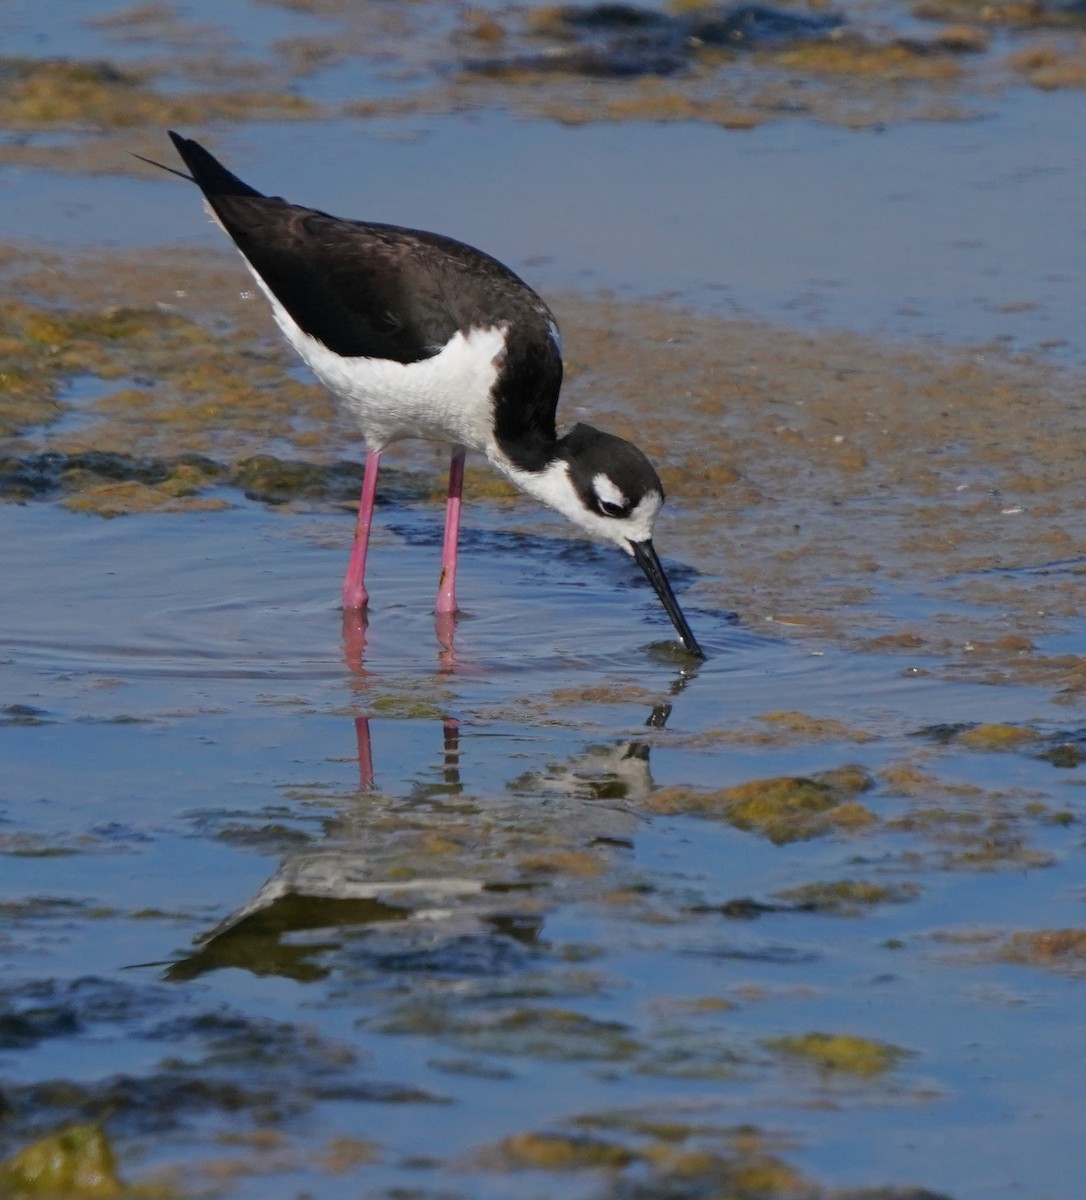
column 731, row 65
column 820, row 484
column 623, row 41
column 810, row 476
column 525, row 903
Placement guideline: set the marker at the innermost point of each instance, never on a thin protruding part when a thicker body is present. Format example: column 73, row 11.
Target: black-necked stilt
column 422, row 336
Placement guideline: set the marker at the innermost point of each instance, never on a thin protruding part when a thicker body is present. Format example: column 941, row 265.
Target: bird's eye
column 611, row 500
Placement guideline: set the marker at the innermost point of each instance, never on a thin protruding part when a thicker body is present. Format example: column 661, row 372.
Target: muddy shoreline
column 816, row 482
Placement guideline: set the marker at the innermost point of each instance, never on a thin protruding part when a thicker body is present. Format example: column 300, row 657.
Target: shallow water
column 190, row 732
column 961, row 231
column 270, row 880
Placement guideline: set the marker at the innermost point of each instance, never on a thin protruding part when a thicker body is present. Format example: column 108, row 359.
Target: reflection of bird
column 422, row 336
column 339, row 885
column 328, row 890
column 610, row 772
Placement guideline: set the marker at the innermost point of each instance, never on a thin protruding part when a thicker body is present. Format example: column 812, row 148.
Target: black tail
column 212, row 178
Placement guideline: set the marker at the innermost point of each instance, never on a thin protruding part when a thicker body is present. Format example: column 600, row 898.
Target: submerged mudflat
column 528, row 904
column 666, row 928
column 812, row 478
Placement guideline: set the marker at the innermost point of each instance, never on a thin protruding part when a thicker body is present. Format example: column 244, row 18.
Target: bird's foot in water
column 355, row 596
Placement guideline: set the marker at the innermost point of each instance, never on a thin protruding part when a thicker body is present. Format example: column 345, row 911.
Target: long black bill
column 650, row 564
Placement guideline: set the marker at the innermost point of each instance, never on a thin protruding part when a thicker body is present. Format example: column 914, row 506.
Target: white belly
column 446, row 398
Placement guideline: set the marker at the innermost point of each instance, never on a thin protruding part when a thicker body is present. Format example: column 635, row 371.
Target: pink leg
column 354, row 582
column 446, row 592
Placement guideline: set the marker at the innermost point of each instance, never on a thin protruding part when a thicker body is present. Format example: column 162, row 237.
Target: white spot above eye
column 552, row 486
column 608, row 491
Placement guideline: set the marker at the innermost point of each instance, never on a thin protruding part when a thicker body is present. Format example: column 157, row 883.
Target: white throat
column 553, row 487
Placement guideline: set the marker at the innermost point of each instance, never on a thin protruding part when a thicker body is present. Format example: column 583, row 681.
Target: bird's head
column 613, row 491
column 608, row 488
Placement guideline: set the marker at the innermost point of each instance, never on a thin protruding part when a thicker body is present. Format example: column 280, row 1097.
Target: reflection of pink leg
column 365, row 754
column 354, row 640
column 446, row 592
column 451, row 730
column 354, row 582
column 445, row 632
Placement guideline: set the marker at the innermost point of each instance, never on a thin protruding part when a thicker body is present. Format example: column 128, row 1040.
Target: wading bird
column 421, row 336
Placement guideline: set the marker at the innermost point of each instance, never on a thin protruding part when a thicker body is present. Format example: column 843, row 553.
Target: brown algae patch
column 848, row 897
column 124, row 499
column 74, row 1162
column 408, row 708
column 782, row 809
column 1051, row 63
column 556, row 1152
column 802, row 727
column 670, row 1150
column 42, row 348
column 971, row 827
column 346, row 1153
column 998, row 737
column 740, row 1176
column 782, row 728
column 726, row 65
column 828, row 452
column 72, row 93
column 1058, row 950
column 839, row 1053
column 698, row 1171
column 1053, row 949
column 188, row 381
column 550, row 1034
column 113, row 484
column 611, row 693
column 732, row 66
column 568, row 863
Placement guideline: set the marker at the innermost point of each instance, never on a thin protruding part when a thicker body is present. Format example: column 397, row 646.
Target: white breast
column 446, row 398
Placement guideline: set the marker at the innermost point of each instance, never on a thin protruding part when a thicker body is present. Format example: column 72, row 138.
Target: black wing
column 362, row 288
